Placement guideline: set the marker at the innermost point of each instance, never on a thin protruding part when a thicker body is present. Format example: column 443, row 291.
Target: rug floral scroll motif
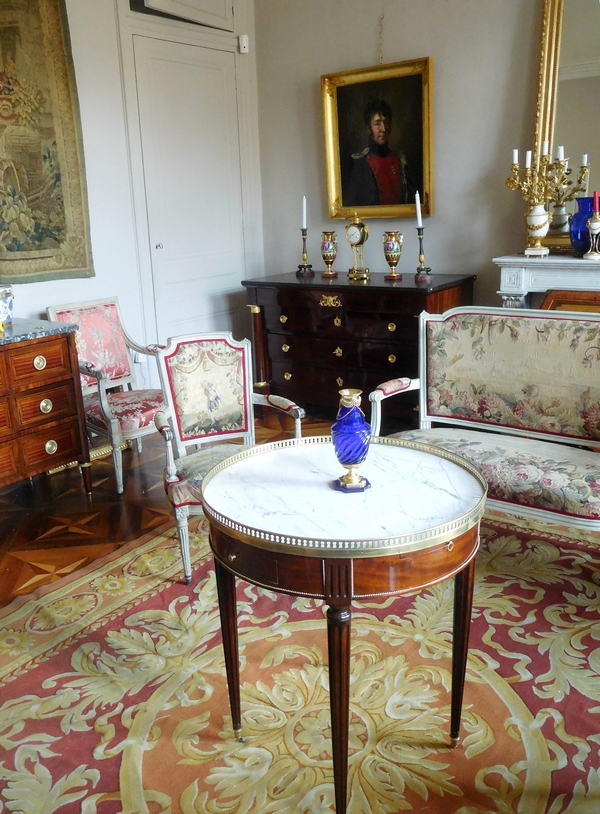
column 113, row 695
column 44, row 230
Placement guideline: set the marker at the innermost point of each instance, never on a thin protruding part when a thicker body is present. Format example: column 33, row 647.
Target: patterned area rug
column 113, row 696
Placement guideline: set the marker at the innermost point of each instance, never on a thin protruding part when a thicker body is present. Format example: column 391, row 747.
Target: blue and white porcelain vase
column 350, row 435
column 578, row 231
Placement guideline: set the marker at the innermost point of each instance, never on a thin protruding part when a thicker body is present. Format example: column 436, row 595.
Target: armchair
column 207, row 381
column 114, row 408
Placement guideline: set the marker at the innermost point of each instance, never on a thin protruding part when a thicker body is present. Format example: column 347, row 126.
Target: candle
column 596, row 209
column 528, row 160
column 545, row 148
column 515, row 156
column 560, row 153
column 304, row 211
column 584, row 160
column 418, row 206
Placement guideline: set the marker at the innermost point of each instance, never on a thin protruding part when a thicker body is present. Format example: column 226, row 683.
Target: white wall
column 93, row 30
column 485, row 76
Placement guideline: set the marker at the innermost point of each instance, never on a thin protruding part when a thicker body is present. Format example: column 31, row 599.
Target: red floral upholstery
column 133, row 409
column 100, row 339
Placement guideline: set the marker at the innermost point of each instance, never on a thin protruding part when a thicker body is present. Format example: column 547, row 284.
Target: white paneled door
column 191, row 164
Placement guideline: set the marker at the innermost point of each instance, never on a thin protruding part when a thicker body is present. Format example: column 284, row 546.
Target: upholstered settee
column 517, row 393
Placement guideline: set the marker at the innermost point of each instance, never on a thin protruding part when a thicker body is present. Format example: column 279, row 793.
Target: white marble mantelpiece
column 521, row 275
column 280, row 496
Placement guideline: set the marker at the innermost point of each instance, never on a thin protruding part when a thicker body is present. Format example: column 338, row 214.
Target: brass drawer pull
column 392, row 327
column 450, row 545
column 39, row 362
column 51, row 447
column 46, row 406
column 391, row 358
column 232, row 557
column 338, row 352
column 283, row 319
column 330, row 301
column 285, row 348
column 337, row 322
column 340, row 382
column 287, row 376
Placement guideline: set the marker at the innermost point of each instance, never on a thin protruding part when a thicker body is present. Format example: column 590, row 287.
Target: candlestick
column 545, row 148
column 305, row 268
column 584, row 160
column 418, row 207
column 528, row 160
column 304, row 211
column 423, row 271
column 515, row 156
column 560, row 153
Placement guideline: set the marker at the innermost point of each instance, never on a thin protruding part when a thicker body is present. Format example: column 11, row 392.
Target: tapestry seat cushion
column 539, row 474
column 191, row 469
column 134, row 409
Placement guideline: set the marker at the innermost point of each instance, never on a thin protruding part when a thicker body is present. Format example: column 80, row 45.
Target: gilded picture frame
column 367, row 174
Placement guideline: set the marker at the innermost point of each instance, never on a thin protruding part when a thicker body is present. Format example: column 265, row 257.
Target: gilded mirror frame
column 546, row 96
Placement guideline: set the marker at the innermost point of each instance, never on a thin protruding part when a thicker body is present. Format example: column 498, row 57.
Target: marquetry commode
column 312, row 336
column 41, row 407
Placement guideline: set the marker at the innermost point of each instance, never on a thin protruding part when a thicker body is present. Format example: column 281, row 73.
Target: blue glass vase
column 350, row 436
column 580, row 236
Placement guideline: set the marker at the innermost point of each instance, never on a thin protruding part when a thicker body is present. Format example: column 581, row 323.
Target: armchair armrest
column 162, row 425
column 88, row 369
column 286, row 406
column 384, row 391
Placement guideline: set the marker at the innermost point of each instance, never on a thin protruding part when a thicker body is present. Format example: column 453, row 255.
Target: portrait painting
column 378, row 125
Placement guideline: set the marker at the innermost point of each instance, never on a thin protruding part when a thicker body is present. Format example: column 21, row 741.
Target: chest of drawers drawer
column 38, row 362
column 49, row 402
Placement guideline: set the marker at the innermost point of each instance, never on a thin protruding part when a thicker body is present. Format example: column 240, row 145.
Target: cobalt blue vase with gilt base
column 351, row 435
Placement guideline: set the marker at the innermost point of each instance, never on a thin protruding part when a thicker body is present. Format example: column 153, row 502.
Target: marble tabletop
column 21, row 329
column 280, row 496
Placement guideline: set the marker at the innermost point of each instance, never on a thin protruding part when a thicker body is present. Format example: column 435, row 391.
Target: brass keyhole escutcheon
column 338, row 352
column 337, row 322
column 287, row 376
column 283, row 319
column 391, row 358
column 392, row 327
column 285, row 348
column 51, row 447
column 340, row 382
column 39, row 362
column 46, row 406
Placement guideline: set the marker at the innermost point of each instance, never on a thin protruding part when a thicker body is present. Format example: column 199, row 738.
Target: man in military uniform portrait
column 378, row 176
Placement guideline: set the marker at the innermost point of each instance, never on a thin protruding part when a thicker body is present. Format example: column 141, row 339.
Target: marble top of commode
column 279, row 496
column 21, row 330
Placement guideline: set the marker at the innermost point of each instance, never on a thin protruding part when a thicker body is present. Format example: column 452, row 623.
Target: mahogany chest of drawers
column 312, row 337
column 41, row 408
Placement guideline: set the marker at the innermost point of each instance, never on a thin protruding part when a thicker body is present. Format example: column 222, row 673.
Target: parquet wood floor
column 49, row 527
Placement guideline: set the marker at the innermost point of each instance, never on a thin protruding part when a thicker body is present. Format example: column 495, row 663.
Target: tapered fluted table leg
column 338, row 638
column 463, row 603
column 228, row 612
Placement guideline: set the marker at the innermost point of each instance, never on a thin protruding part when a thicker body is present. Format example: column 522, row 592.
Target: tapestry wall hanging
column 44, row 229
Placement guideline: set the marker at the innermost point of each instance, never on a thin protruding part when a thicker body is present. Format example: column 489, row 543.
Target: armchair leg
column 118, row 464
column 181, row 515
column 138, row 444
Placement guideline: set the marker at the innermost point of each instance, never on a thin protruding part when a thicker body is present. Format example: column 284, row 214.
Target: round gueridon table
column 276, row 522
